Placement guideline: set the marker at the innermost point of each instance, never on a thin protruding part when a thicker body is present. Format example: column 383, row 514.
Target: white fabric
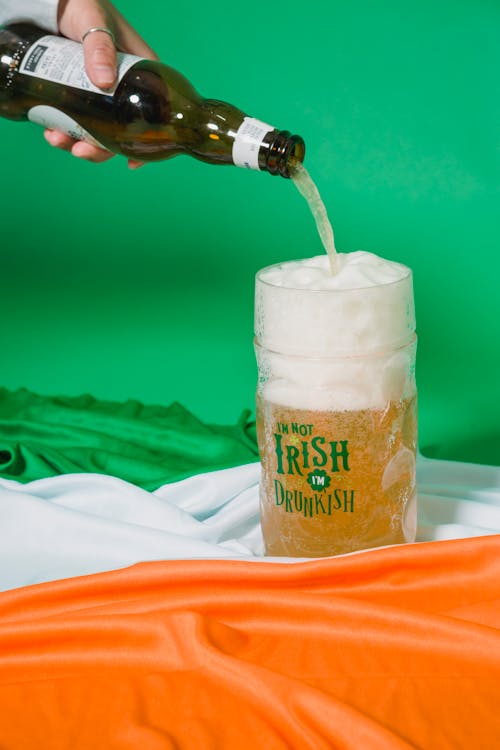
column 40, row 12
column 85, row 523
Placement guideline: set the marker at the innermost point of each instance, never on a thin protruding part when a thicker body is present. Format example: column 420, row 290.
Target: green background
column 140, row 284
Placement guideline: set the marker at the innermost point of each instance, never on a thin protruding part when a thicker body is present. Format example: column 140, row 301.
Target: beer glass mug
column 336, row 415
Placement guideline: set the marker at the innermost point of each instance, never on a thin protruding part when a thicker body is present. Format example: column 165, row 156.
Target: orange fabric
column 390, row 649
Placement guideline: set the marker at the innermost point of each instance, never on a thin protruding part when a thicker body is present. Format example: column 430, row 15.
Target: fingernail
column 104, row 75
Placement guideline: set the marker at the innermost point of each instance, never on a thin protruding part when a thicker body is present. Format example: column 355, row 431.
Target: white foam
column 343, row 341
column 356, row 270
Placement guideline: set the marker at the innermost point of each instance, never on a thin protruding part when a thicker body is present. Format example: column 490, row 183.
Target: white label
column 54, row 58
column 248, row 141
column 53, row 118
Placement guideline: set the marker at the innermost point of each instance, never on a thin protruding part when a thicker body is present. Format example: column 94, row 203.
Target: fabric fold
column 146, row 445
column 77, row 524
column 395, row 648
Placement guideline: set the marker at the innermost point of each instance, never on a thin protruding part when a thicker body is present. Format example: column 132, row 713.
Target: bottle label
column 57, row 59
column 248, row 141
column 53, row 118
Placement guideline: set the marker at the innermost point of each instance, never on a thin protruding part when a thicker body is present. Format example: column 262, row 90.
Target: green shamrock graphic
column 318, row 479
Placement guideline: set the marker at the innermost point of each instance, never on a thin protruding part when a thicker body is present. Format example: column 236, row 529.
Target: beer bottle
column 152, row 113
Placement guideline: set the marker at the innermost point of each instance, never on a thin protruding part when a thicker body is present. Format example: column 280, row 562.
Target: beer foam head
column 367, row 306
column 335, row 342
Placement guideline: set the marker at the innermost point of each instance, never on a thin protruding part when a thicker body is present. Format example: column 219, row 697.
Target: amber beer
column 334, row 482
column 336, row 410
column 152, row 113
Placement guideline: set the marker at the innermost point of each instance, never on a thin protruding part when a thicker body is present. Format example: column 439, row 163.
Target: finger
column 133, row 164
column 100, row 57
column 59, row 140
column 85, row 151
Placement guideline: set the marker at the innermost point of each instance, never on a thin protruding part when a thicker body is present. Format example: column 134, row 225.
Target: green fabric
column 42, row 436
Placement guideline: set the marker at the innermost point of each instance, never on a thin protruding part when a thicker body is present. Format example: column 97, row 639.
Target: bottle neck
column 280, row 152
column 257, row 145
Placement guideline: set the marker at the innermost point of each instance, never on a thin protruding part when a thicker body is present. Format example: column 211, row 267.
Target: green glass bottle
column 152, row 113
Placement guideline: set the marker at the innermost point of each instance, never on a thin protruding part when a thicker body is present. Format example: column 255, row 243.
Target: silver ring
column 99, row 28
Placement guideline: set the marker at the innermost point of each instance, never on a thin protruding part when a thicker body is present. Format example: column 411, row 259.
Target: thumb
column 100, row 55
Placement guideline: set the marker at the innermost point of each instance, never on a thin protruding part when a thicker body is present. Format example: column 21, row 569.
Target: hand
column 75, row 18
